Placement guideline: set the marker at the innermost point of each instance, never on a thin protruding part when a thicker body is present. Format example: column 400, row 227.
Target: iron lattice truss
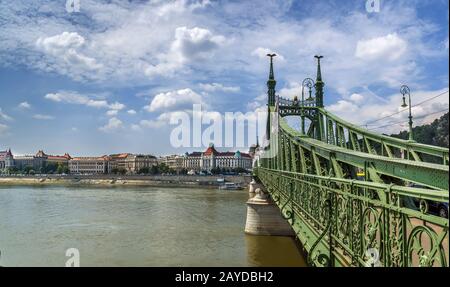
column 347, row 191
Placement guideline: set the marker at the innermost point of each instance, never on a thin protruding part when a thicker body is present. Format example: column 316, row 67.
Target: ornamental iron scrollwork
column 288, row 214
column 340, row 216
column 424, row 249
column 318, row 258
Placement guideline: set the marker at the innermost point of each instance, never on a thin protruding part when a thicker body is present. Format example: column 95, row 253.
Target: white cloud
column 257, row 103
column 162, row 120
column 3, row 129
column 71, row 97
column 43, row 117
column 117, row 106
column 112, row 113
column 113, row 124
column 183, row 98
column 136, row 127
column 195, row 42
column 65, row 57
column 357, row 98
column 214, row 87
column 5, row 116
column 371, row 108
column 152, row 123
column 291, row 90
column 343, row 106
column 131, row 112
column 262, row 53
column 389, row 47
column 24, row 106
column 189, row 44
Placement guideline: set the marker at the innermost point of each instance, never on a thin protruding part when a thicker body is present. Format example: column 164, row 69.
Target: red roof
column 210, row 150
column 41, row 153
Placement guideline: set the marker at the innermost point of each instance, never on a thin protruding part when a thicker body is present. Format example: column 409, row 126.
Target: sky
column 108, row 77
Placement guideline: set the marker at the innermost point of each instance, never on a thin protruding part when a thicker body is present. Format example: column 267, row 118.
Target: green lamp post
column 309, row 83
column 404, row 90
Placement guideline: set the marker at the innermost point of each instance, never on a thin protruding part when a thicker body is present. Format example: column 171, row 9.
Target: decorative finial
column 271, row 83
column 271, row 75
column 319, row 83
column 319, row 72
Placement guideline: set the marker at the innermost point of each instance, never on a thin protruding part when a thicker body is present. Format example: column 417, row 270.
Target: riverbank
column 111, row 180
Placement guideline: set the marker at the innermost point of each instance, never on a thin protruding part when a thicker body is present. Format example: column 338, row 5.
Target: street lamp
column 309, row 83
column 404, row 90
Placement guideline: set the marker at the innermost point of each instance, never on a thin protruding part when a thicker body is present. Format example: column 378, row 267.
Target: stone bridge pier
column 263, row 215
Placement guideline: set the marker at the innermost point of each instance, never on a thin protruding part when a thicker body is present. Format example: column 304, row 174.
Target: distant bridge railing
column 342, row 222
column 336, row 131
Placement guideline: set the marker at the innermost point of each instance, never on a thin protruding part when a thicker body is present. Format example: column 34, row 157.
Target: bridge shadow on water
column 274, row 251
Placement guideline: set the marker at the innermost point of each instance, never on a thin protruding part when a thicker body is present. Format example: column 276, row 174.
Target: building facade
column 131, row 163
column 89, row 165
column 53, row 159
column 211, row 159
column 134, row 163
column 6, row 160
column 175, row 162
column 27, row 161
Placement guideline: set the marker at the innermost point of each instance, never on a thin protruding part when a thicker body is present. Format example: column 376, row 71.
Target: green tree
column 27, row 169
column 144, row 170
column 154, row 169
column 163, row 168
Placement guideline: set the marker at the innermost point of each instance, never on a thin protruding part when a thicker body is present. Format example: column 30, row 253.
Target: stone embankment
column 108, row 181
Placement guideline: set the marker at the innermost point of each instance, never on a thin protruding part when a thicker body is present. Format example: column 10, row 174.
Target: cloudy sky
column 108, row 78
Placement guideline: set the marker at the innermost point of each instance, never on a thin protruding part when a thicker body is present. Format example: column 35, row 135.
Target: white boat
column 231, row 186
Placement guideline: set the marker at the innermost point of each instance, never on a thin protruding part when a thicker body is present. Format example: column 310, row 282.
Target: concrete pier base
column 264, row 217
column 252, row 186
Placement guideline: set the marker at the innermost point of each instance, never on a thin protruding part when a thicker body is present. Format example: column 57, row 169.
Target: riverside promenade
column 208, row 181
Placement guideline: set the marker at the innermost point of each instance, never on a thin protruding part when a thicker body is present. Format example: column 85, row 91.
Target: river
column 131, row 226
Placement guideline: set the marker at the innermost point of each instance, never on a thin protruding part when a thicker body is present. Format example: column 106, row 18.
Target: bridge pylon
column 264, row 216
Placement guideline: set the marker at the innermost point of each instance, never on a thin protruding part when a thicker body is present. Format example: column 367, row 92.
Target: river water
column 127, row 226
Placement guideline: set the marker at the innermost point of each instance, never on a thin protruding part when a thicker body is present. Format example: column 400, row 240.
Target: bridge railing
column 336, row 131
column 344, row 134
column 342, row 222
column 296, row 103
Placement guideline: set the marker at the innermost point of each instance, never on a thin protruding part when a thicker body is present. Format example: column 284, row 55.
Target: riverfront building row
column 43, row 163
column 210, row 159
column 126, row 163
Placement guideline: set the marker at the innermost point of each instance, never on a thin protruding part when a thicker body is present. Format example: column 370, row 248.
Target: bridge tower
column 271, row 83
column 319, row 84
column 319, row 126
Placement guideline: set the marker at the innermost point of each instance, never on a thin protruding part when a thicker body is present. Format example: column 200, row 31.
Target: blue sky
column 108, row 78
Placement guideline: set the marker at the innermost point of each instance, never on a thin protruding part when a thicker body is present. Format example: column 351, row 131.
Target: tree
column 163, row 168
column 50, row 167
column 435, row 133
column 144, row 170
column 12, row 170
column 239, row 170
column 27, row 169
column 154, row 169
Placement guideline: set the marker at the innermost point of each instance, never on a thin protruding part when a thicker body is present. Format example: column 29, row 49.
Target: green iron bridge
column 348, row 193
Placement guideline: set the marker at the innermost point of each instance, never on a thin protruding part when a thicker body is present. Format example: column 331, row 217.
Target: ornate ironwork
column 343, row 189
